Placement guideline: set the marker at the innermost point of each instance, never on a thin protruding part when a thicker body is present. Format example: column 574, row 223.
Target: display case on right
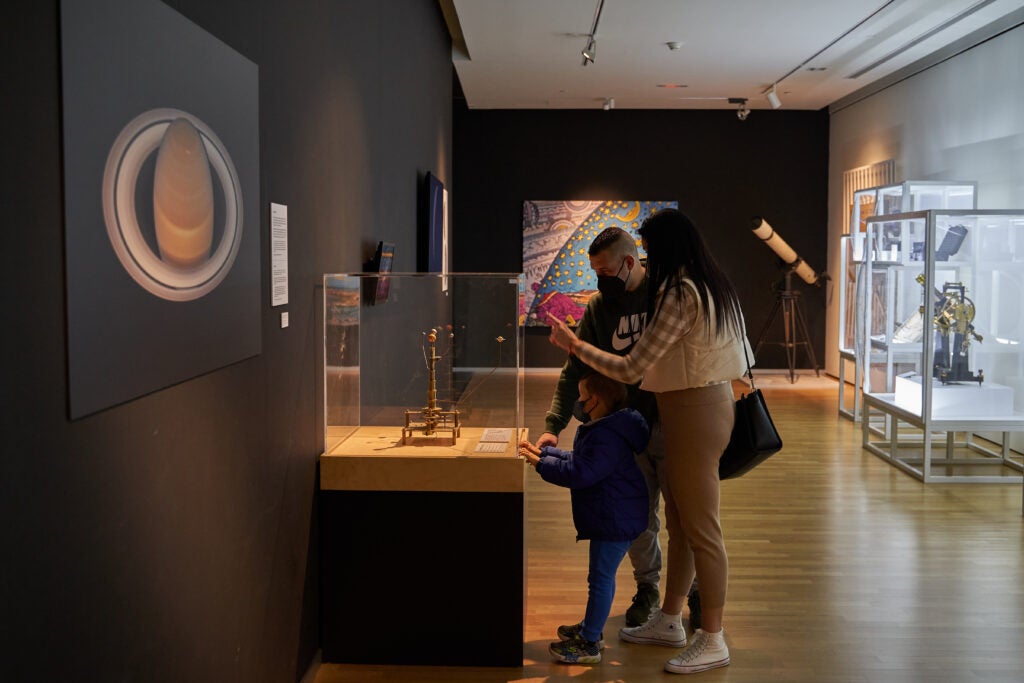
column 944, row 322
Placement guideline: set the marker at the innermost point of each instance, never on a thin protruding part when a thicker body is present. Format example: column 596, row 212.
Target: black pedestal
column 431, row 578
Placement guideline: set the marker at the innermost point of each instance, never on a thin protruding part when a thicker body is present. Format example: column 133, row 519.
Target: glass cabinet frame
column 425, row 364
column 950, row 363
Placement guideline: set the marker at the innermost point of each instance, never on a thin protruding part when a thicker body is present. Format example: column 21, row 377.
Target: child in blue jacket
column 609, row 500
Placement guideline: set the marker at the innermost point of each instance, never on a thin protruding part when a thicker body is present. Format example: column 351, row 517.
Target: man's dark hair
column 615, row 239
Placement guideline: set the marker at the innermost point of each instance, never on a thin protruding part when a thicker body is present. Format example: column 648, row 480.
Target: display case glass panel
column 851, row 287
column 944, row 314
column 921, row 195
column 863, row 208
column 438, row 364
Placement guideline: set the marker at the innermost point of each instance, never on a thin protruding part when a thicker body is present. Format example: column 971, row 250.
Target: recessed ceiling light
column 673, row 85
column 674, row 44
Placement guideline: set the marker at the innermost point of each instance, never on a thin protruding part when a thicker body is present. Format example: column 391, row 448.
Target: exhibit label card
column 278, row 254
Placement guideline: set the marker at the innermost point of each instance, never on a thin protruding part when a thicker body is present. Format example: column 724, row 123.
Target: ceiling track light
column 591, row 49
column 773, row 97
column 742, row 110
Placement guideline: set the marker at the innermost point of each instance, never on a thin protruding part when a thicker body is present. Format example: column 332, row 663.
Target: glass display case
column 943, row 327
column 863, row 208
column 423, row 410
column 851, row 294
column 922, row 195
column 431, row 367
column 910, row 195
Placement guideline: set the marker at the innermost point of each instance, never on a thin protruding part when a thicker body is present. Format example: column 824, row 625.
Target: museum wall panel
column 722, row 171
column 957, row 120
column 173, row 537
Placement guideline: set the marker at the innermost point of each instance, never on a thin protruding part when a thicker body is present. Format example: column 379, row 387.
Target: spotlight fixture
column 773, row 97
column 609, row 103
column 742, row 110
column 590, row 51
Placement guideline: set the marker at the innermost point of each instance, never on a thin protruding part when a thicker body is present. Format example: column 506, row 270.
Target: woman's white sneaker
column 660, row 629
column 705, row 651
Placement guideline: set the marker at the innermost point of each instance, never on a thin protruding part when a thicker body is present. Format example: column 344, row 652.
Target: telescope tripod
column 794, row 327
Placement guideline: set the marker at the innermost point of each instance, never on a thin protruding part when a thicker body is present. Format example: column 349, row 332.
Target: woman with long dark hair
column 693, row 346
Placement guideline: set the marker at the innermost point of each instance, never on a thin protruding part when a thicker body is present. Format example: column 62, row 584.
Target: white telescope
column 766, row 233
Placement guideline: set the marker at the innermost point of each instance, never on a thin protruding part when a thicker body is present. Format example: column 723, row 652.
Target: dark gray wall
column 173, row 538
column 721, row 170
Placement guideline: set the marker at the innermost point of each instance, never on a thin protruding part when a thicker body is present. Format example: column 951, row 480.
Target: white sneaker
column 705, row 651
column 660, row 629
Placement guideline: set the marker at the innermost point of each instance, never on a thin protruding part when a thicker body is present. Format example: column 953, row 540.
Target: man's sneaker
column 644, row 602
column 693, row 600
column 576, row 651
column 576, row 631
column 660, row 629
column 705, row 651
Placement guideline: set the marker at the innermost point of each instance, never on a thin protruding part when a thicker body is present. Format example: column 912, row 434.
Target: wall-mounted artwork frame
column 382, row 263
column 556, row 237
column 161, row 189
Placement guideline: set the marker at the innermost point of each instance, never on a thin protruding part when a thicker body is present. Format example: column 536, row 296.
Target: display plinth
column 374, row 459
column 951, row 401
column 415, row 526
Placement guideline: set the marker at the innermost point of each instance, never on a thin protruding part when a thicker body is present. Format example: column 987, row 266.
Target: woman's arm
column 673, row 321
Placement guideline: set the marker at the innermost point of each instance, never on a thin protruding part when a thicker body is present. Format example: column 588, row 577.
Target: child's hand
column 525, row 445
column 529, row 451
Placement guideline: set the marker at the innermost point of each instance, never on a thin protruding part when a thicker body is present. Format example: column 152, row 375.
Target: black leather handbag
column 754, row 436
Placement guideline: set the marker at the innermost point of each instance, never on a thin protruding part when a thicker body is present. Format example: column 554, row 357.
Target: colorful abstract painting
column 556, row 266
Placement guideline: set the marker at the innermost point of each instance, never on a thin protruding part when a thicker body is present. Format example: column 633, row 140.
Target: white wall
column 962, row 119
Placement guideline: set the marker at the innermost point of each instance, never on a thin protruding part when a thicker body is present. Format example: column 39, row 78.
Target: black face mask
column 612, row 286
column 579, row 412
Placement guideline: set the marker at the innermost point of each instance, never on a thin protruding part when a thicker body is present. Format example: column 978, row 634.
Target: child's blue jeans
column 605, row 557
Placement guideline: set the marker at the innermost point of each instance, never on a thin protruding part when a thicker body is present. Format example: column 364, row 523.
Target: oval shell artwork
column 192, row 166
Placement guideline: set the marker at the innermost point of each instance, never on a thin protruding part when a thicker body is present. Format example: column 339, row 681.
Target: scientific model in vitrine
column 953, row 314
column 430, row 419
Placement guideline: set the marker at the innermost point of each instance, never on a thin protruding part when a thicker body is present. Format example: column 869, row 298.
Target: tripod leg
column 767, row 324
column 802, row 322
column 790, row 336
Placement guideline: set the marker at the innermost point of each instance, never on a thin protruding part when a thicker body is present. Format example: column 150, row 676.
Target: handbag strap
column 749, row 373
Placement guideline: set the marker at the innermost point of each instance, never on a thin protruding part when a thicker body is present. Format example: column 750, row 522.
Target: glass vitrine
column 943, row 327
column 922, row 195
column 851, row 295
column 422, row 362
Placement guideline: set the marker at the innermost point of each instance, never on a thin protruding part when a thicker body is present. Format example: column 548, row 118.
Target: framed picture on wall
column 161, row 200
column 556, row 265
column 382, row 262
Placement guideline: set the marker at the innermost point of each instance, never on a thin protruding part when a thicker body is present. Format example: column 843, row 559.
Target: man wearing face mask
column 613, row 321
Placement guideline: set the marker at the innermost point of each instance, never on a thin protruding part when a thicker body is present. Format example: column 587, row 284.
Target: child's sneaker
column 705, row 651
column 576, row 651
column 575, row 631
column 660, row 629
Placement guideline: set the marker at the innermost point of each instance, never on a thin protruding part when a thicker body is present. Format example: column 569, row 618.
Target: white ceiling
column 526, row 54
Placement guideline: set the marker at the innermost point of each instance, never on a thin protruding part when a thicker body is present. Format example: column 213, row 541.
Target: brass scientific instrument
column 953, row 314
column 431, row 420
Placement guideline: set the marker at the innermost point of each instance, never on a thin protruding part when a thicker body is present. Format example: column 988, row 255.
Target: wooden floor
column 843, row 569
